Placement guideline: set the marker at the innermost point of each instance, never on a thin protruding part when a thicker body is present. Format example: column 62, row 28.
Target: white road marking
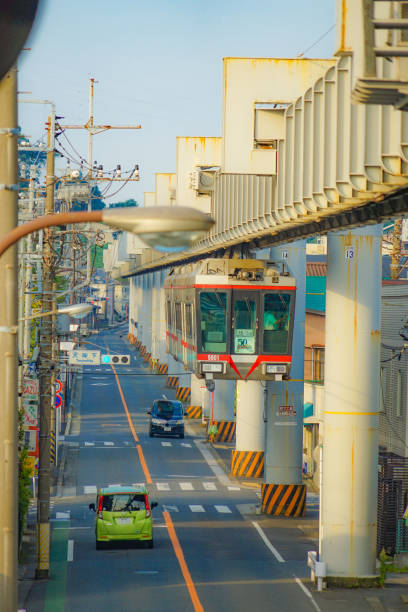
column 170, row 508
column 234, row 488
column 70, row 550
column 163, row 486
column 196, row 508
column 116, row 484
column 186, row 486
column 63, row 515
column 223, row 509
column 89, row 443
column 108, row 444
column 186, row 444
column 210, row 486
column 307, row 593
column 88, row 489
column 268, row 543
column 166, row 444
column 212, row 462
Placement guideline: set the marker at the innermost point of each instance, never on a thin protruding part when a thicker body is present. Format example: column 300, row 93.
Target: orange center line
column 169, row 523
column 132, row 429
column 182, row 562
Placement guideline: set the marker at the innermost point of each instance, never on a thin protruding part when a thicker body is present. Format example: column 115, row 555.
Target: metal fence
column 392, row 535
column 314, row 370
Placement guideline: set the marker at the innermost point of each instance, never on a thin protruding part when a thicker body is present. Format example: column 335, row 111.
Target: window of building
column 318, row 356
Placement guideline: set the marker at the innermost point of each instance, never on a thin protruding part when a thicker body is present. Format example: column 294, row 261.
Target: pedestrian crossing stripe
column 167, row 486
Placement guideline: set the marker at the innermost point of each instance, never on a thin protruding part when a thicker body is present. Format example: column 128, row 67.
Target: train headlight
column 272, row 368
column 215, row 368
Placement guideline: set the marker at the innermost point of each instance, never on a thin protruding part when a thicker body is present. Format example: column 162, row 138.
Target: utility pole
column 92, row 131
column 8, row 346
column 396, row 250
column 44, row 472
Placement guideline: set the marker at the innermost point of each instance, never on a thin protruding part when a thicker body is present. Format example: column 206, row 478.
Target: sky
column 158, row 64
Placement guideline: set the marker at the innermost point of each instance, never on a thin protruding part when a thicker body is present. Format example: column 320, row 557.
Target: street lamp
column 73, row 310
column 159, row 226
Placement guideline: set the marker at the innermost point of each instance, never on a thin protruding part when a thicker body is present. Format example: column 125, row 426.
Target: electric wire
column 317, row 41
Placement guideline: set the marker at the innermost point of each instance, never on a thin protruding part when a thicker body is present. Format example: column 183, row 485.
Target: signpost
column 67, row 346
column 79, row 357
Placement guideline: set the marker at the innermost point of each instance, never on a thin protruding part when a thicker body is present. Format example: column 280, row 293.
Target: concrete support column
column 350, row 447
column 162, row 327
column 283, row 492
column 248, row 456
column 146, row 314
column 156, row 290
column 221, row 408
column 132, row 309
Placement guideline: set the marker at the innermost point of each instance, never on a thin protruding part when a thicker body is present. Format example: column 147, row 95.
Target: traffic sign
column 78, row 357
column 116, row 359
column 58, row 386
column 58, row 400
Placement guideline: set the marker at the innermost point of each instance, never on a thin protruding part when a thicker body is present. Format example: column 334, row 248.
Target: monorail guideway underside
column 231, row 319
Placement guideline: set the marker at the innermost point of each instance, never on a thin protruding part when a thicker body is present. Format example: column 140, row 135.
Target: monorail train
column 231, row 318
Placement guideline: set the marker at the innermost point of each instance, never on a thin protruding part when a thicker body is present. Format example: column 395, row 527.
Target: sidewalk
column 27, row 561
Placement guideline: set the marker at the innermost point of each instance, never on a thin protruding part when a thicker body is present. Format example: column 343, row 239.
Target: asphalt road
column 211, row 550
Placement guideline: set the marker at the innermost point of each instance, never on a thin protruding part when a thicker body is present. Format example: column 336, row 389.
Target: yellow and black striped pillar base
column 225, row 431
column 193, row 412
column 247, row 463
column 173, row 381
column 183, row 394
column 52, row 447
column 283, row 499
column 147, row 357
column 163, row 368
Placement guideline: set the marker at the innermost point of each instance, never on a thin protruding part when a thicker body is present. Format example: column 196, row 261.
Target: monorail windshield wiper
column 219, row 300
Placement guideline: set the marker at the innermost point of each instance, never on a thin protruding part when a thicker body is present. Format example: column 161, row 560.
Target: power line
column 317, row 41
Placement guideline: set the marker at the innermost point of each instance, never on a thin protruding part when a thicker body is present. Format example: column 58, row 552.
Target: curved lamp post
column 73, row 310
column 158, row 226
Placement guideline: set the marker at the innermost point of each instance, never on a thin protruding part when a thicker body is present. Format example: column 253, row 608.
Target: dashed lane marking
column 186, row 486
column 196, row 508
column 163, row 486
column 210, row 486
column 223, row 509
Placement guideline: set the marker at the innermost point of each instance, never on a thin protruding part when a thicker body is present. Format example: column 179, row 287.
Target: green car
column 123, row 514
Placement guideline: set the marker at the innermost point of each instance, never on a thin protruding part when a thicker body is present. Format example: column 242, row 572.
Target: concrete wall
column 250, row 81
column 193, row 152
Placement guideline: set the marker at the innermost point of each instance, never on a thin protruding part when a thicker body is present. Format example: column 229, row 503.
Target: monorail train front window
column 213, row 309
column 244, row 323
column 276, row 323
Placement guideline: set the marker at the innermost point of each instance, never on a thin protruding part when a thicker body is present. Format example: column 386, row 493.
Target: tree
column 125, row 204
column 97, row 202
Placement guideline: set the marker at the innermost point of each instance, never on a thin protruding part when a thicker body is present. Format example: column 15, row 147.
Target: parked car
column 166, row 418
column 123, row 514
